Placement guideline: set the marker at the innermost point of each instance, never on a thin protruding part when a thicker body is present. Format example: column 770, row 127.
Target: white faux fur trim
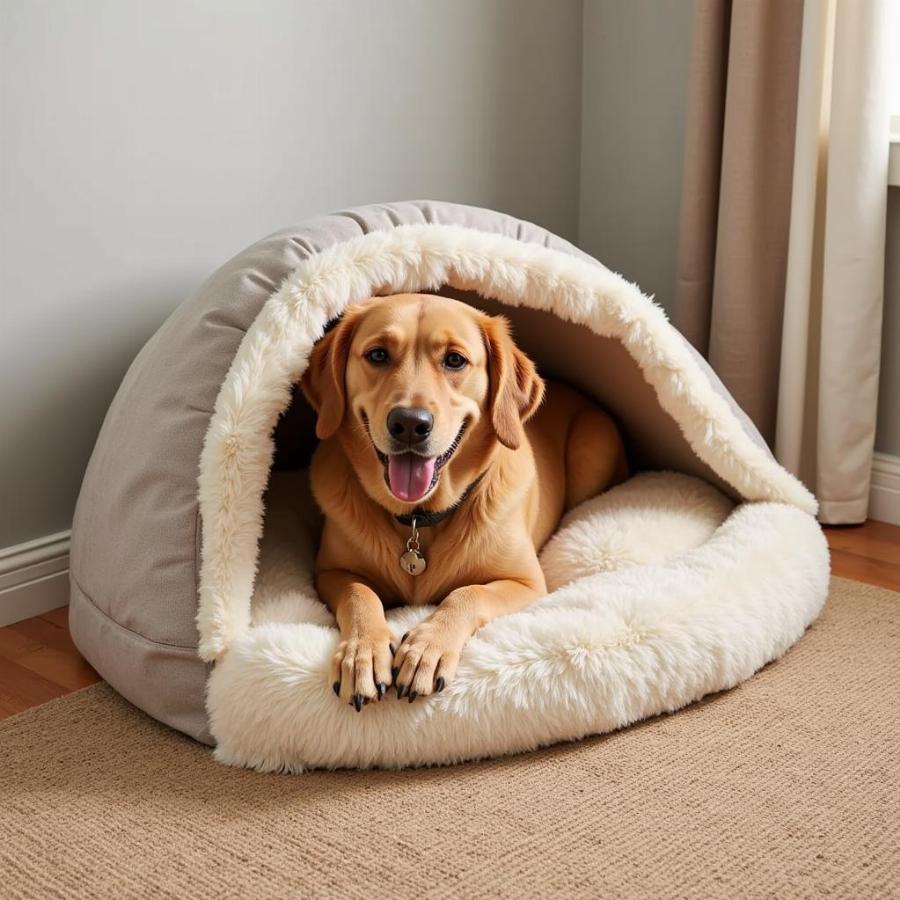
column 652, row 518
column 238, row 449
column 605, row 651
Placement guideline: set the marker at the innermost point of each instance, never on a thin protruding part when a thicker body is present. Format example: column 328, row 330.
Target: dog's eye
column 455, row 361
column 378, row 356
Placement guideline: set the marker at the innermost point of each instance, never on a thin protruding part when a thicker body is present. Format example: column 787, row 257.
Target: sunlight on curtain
column 894, row 66
column 831, row 340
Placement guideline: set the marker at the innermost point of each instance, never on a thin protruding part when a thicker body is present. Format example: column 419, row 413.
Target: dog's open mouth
column 410, row 476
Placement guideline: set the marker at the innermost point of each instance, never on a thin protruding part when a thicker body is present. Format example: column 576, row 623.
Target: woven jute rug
column 788, row 786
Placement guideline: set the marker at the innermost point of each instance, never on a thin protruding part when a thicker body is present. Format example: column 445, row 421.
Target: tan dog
column 425, row 405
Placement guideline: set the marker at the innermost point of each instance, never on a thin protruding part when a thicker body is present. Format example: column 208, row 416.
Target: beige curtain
column 777, row 86
column 736, row 193
column 831, row 345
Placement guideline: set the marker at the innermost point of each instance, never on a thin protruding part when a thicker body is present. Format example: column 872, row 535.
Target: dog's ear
column 323, row 381
column 516, row 388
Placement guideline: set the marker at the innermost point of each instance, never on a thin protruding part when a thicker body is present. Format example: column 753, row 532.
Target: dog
column 440, row 473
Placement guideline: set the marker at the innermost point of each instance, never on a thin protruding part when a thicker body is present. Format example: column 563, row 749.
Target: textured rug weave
column 785, row 786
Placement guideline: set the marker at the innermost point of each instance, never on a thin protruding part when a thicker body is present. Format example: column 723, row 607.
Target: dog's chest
column 426, row 573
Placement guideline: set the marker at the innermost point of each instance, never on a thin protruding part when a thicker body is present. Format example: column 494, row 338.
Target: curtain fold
column 781, row 242
column 798, row 387
column 737, row 180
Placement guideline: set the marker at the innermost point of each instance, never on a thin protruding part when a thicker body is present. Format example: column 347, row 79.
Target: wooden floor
column 38, row 660
column 869, row 553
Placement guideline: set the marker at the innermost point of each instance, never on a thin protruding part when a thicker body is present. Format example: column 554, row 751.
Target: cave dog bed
column 198, row 605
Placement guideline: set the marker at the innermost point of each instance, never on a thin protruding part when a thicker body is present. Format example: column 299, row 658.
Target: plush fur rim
column 238, row 449
column 594, row 656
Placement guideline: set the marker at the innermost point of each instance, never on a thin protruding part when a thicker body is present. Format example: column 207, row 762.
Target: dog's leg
column 429, row 653
column 595, row 456
column 361, row 667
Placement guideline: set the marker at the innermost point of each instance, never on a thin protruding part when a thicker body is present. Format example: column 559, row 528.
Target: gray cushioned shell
column 136, row 533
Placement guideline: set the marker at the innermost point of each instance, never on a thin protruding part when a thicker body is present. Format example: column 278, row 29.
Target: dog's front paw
column 427, row 657
column 361, row 668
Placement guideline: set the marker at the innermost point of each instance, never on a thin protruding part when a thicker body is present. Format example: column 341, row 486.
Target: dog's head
column 419, row 389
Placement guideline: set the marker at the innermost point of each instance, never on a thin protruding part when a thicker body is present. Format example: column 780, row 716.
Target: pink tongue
column 410, row 476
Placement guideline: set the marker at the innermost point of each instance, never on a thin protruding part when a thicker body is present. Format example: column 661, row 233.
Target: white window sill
column 894, row 161
column 894, row 157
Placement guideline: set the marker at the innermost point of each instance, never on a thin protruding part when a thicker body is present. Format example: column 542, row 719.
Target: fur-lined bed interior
column 660, row 591
column 580, row 302
column 636, row 522
column 631, row 526
column 652, row 518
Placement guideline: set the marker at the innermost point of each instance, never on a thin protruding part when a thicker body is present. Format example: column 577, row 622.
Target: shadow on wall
column 80, row 364
column 887, row 440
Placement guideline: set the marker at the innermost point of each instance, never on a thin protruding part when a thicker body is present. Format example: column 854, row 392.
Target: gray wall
column 144, row 143
column 887, row 439
column 634, row 100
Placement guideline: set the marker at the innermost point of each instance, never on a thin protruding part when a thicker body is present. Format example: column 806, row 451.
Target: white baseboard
column 34, row 577
column 884, row 494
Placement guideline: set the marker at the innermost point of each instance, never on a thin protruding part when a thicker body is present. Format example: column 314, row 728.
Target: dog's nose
column 410, row 424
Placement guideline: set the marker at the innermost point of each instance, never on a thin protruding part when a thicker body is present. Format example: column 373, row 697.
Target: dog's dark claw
column 358, row 701
column 336, row 687
column 381, row 689
column 439, row 685
column 401, row 690
column 412, row 696
column 393, row 649
column 394, row 673
column 405, row 636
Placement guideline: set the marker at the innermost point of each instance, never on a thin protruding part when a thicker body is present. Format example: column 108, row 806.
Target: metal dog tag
column 413, row 562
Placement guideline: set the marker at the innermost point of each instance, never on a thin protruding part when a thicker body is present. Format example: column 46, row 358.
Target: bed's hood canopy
column 581, row 323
